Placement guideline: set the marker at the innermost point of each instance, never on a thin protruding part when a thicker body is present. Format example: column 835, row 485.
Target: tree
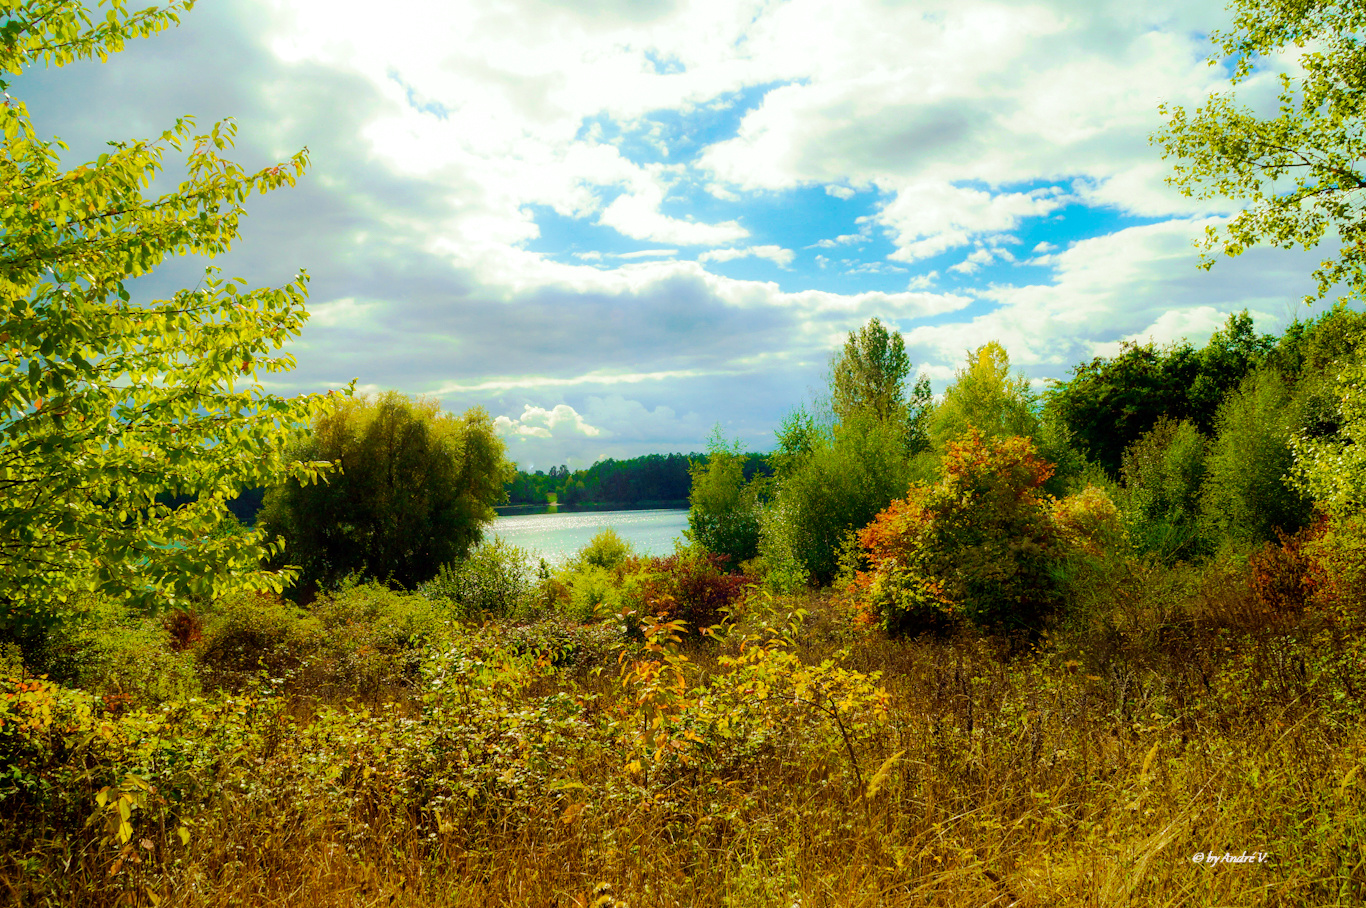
column 984, row 396
column 111, row 405
column 1111, row 402
column 416, row 488
column 1300, row 171
column 869, row 375
column 1247, row 493
column 723, row 509
column 981, row 544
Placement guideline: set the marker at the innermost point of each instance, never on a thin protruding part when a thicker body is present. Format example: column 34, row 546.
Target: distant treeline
column 652, row 478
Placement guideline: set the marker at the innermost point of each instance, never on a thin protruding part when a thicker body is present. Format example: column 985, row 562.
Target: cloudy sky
column 617, row 223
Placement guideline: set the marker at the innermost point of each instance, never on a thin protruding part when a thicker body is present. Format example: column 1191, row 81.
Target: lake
column 556, row 537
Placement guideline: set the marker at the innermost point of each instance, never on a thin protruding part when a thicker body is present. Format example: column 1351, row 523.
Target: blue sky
column 617, row 224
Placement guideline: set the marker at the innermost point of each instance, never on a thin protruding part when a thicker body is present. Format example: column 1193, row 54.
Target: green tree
column 111, row 406
column 1163, row 474
column 830, row 482
column 416, row 488
column 986, row 397
column 723, row 509
column 870, row 375
column 1299, row 171
column 1110, row 402
column 1247, row 496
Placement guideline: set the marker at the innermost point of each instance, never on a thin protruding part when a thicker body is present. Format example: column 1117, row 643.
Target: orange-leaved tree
column 980, row 545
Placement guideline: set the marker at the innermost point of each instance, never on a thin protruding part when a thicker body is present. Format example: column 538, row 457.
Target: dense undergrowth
column 451, row 747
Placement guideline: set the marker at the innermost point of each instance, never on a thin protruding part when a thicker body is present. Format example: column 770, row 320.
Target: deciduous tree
column 415, row 489
column 110, row 402
column 1300, row 170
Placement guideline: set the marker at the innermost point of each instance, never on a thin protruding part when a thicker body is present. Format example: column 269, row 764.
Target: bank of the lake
column 556, row 537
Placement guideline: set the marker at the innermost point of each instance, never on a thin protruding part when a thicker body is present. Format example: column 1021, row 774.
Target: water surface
column 556, row 537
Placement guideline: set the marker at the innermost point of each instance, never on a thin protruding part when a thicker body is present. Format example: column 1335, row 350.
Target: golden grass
column 1086, row 770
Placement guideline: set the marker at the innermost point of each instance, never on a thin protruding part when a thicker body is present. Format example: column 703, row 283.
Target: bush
column 981, row 545
column 1247, row 498
column 415, row 490
column 837, row 482
column 495, row 581
column 606, row 550
column 109, row 650
column 1163, row 473
column 687, row 586
column 251, row 632
column 723, row 509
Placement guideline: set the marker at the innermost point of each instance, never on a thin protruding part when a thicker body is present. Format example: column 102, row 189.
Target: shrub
column 251, row 632
column 688, row 586
column 606, row 550
column 980, row 545
column 1163, row 472
column 494, row 581
column 1246, row 498
column 106, row 648
column 723, row 509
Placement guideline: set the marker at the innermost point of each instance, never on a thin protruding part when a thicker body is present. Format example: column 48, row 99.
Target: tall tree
column 110, row 403
column 1299, row 171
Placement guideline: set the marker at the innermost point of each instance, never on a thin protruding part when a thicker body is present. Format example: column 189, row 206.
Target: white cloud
column 538, row 422
column 776, row 254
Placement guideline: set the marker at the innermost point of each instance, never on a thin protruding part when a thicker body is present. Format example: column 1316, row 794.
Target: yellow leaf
column 184, row 835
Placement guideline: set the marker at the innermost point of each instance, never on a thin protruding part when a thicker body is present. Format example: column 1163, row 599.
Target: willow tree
column 1299, row 172
column 415, row 488
column 113, row 405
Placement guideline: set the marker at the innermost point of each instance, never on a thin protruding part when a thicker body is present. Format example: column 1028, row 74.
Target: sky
column 619, row 224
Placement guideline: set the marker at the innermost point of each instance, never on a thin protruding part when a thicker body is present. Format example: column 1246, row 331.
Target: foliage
column 1111, row 402
column 1299, row 170
column 870, row 376
column 108, row 402
column 1247, row 497
column 605, row 550
column 494, row 580
column 828, row 483
column 690, row 587
column 649, row 479
column 415, row 489
column 984, row 396
column 980, row 545
column 1163, row 473
column 723, row 509
column 1333, row 469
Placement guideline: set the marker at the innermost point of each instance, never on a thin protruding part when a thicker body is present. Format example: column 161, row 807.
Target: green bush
column 606, row 550
column 494, row 581
column 107, row 649
column 252, row 632
column 1247, row 497
column 1163, row 473
column 829, row 483
column 723, row 509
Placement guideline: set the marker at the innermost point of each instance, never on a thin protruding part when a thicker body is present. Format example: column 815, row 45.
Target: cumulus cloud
column 482, row 188
column 538, row 422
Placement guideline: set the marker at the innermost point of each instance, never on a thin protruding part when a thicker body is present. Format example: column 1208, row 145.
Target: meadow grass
column 799, row 758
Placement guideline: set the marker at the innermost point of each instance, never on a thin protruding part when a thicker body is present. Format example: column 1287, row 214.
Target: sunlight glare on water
column 556, row 537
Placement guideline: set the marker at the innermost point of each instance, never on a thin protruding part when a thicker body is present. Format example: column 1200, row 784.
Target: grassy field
column 372, row 751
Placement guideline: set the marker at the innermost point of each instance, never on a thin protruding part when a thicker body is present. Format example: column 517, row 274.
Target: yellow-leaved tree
column 113, row 406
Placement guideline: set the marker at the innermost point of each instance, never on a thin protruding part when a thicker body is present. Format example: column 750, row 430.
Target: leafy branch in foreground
column 1299, row 171
column 110, row 407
